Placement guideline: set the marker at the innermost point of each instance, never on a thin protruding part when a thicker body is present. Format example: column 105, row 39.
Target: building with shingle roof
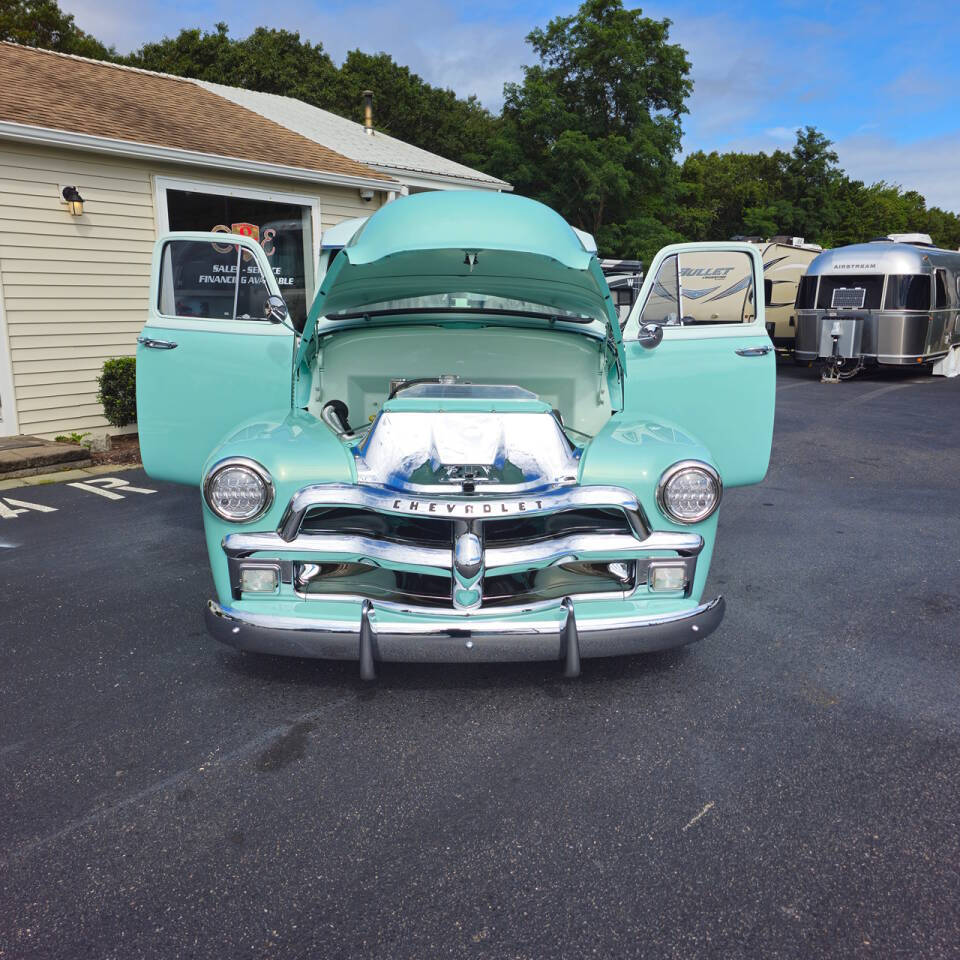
column 149, row 152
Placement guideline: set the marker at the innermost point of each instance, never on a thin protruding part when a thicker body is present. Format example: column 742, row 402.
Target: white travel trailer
column 894, row 301
column 785, row 260
column 715, row 289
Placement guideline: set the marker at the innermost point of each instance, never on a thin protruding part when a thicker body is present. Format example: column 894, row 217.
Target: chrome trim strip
column 350, row 548
column 384, row 500
column 496, row 638
column 544, row 553
column 585, row 546
column 679, row 467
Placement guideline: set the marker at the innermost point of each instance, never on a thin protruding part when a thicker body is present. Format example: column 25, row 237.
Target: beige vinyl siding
column 75, row 289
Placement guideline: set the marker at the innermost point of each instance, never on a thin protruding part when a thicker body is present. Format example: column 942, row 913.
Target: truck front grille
column 451, row 555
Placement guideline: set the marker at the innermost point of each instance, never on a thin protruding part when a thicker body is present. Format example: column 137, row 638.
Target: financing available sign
column 266, row 240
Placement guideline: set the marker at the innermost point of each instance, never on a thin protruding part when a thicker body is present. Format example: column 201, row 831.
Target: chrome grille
column 460, row 554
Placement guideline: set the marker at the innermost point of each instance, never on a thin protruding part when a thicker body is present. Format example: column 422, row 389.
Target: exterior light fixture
column 73, row 200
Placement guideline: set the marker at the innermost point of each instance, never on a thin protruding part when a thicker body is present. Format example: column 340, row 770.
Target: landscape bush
column 118, row 390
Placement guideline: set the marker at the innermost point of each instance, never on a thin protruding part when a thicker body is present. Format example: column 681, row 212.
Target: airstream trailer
column 893, row 301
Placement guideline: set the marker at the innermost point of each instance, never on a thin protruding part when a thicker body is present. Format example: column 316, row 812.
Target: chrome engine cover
column 466, row 438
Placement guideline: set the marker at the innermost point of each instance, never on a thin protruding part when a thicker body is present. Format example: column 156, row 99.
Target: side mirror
column 650, row 335
column 275, row 310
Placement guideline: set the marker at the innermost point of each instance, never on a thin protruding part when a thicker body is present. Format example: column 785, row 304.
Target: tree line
column 593, row 128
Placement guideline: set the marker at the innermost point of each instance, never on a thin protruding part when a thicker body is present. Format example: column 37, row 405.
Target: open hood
column 474, row 244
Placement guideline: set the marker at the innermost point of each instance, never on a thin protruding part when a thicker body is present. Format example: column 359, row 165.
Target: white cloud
column 756, row 79
column 428, row 36
column 928, row 166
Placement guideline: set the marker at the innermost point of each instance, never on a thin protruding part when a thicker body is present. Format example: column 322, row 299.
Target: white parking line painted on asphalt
column 104, row 487
column 11, row 509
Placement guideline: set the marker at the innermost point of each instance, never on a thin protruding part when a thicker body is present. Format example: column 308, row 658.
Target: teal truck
column 464, row 455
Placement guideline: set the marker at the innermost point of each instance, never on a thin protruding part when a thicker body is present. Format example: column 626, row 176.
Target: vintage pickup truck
column 462, row 456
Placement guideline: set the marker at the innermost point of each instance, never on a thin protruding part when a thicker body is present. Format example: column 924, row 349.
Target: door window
column 210, row 281
column 716, row 287
column 806, row 293
column 663, row 303
column 282, row 229
column 702, row 287
column 940, row 286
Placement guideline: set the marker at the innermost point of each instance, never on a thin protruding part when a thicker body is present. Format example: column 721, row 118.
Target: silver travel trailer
column 894, row 301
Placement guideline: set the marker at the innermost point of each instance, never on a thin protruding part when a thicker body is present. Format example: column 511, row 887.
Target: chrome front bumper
column 555, row 633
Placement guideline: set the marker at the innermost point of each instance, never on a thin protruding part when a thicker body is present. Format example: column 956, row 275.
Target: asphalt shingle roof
column 350, row 138
column 46, row 89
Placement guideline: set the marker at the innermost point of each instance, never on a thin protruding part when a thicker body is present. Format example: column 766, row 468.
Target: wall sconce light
column 73, row 200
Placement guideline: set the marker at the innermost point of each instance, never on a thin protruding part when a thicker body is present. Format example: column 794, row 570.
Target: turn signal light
column 667, row 577
column 259, row 580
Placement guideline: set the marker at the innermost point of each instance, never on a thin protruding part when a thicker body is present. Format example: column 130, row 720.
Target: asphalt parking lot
column 790, row 787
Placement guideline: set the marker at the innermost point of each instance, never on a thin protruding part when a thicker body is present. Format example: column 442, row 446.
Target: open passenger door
column 216, row 349
column 713, row 375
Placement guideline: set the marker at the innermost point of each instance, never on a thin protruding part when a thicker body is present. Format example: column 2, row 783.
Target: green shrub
column 118, row 390
column 76, row 438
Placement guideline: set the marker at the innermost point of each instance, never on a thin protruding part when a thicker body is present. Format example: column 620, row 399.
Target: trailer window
column 940, row 287
column 872, row 287
column 807, row 293
column 908, row 291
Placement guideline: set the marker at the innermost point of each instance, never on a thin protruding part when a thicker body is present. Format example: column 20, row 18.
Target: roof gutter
column 434, row 181
column 50, row 136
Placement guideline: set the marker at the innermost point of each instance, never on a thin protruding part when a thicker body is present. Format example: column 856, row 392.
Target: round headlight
column 238, row 490
column 689, row 491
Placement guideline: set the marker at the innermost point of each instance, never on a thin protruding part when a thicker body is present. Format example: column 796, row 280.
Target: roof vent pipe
column 368, row 112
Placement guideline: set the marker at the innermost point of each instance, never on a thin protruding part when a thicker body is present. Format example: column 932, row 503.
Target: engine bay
column 358, row 373
column 447, row 436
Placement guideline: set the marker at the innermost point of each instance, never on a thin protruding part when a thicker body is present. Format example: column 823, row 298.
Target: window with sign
column 284, row 230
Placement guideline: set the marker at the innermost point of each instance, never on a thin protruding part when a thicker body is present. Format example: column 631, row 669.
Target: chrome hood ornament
column 465, row 438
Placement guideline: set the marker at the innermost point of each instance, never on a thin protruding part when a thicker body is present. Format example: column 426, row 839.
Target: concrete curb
column 65, row 476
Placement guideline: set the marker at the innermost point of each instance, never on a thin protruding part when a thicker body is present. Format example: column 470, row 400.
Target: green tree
column 271, row 61
column 722, row 195
column 594, row 126
column 41, row 23
column 409, row 108
column 812, row 181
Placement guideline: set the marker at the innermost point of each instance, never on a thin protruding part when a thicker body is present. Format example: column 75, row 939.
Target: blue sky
column 881, row 80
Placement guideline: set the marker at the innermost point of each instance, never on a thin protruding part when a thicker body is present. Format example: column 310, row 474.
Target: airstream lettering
column 893, row 301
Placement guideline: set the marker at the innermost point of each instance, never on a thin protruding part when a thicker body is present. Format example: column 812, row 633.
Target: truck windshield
column 463, row 303
column 909, row 291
